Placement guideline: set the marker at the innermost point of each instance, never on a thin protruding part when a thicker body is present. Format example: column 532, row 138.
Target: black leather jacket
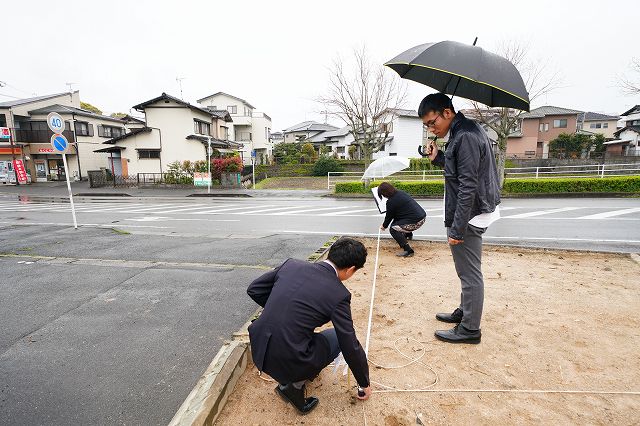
column 470, row 175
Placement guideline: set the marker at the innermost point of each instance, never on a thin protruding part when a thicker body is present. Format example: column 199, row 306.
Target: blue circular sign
column 59, row 143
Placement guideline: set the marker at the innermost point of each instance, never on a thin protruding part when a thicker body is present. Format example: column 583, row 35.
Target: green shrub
column 628, row 184
column 420, row 164
column 351, row 188
column 325, row 165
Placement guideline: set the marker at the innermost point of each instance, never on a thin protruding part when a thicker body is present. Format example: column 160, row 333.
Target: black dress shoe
column 459, row 334
column 410, row 236
column 296, row 397
column 455, row 317
column 405, row 253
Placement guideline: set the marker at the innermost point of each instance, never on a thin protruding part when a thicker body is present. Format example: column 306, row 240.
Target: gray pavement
column 106, row 336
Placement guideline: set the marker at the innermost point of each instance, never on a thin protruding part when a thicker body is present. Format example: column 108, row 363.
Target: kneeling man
column 298, row 297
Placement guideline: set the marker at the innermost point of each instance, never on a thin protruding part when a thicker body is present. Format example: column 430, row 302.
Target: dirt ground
column 553, row 320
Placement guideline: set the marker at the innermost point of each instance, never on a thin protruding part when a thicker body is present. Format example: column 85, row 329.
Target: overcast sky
column 276, row 54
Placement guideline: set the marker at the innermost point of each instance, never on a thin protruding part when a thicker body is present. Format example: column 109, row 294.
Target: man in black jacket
column 472, row 196
column 298, row 297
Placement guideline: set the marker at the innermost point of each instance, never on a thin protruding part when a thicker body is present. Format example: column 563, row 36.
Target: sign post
column 209, row 164
column 61, row 146
column 253, row 167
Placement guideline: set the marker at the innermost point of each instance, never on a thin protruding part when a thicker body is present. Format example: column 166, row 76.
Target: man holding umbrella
column 472, row 196
column 472, row 192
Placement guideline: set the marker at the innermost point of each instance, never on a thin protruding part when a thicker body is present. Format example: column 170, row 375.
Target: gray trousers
column 467, row 258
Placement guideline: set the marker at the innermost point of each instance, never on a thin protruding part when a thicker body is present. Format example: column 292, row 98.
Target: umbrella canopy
column 385, row 166
column 466, row 71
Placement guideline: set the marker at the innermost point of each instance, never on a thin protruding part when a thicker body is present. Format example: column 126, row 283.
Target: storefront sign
column 5, row 133
column 45, row 150
column 17, row 151
column 18, row 166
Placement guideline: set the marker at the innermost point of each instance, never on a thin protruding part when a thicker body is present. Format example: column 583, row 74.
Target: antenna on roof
column 179, row 80
column 325, row 115
column 70, row 87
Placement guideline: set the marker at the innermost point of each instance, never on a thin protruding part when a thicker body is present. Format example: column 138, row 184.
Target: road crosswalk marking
column 609, row 214
column 542, row 212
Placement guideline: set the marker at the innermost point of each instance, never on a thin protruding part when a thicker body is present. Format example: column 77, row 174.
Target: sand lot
column 553, row 321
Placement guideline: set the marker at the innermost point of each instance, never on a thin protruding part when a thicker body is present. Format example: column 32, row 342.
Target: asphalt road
column 604, row 224
column 101, row 327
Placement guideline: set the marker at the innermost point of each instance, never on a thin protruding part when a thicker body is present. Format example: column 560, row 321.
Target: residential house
column 250, row 128
column 84, row 130
column 277, row 137
column 627, row 139
column 406, row 133
column 174, row 130
column 537, row 128
column 594, row 123
column 338, row 141
column 305, row 131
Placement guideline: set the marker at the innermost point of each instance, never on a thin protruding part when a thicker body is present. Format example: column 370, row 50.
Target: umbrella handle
column 421, row 152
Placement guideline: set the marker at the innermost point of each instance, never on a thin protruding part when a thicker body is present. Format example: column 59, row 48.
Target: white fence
column 584, row 171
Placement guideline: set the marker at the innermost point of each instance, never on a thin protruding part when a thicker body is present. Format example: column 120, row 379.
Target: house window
column 544, row 127
column 561, row 123
column 387, row 128
column 392, row 154
column 595, row 125
column 83, row 128
column 148, row 153
column 213, row 107
column 244, row 136
column 110, row 131
column 201, row 128
column 605, row 125
column 232, row 109
column 383, row 147
column 340, row 150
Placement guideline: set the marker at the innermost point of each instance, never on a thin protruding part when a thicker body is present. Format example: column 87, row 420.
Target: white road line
column 155, row 207
column 226, row 210
column 611, row 213
column 542, row 212
column 311, row 210
column 113, row 209
column 347, row 213
column 269, row 210
column 196, row 207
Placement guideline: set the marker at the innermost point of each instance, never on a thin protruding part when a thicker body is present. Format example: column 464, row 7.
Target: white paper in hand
column 381, row 203
column 338, row 363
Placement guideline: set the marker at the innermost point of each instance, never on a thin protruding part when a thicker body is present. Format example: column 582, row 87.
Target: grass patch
column 120, row 231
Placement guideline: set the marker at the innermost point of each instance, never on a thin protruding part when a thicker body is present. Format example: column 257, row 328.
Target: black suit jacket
column 297, row 297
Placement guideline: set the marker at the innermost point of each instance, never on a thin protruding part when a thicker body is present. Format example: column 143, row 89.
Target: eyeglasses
column 432, row 123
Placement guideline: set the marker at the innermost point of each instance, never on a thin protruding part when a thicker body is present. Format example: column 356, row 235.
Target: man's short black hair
column 436, row 102
column 347, row 252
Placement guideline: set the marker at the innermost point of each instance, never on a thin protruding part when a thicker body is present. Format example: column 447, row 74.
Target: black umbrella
column 466, row 71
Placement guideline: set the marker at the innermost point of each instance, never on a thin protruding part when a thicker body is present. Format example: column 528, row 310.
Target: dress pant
column 467, row 258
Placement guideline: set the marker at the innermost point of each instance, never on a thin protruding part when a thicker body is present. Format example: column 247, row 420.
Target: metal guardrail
column 584, row 171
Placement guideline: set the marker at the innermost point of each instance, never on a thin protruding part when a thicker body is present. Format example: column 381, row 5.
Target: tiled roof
column 543, row 111
column 594, row 116
column 310, row 126
column 63, row 109
column 17, row 102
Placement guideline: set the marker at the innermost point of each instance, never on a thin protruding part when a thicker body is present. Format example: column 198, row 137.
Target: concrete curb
column 635, row 257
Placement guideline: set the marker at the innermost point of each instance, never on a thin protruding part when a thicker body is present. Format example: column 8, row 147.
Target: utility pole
column 179, row 80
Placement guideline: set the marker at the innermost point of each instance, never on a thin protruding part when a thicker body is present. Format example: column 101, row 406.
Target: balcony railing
column 38, row 136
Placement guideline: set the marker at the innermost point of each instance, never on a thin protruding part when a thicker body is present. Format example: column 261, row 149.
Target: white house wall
column 407, row 136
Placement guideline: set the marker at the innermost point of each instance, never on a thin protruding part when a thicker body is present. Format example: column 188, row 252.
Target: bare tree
column 628, row 85
column 505, row 121
column 365, row 99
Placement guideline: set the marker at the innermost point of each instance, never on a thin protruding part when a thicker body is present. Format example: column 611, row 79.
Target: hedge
column 629, row 184
column 626, row 184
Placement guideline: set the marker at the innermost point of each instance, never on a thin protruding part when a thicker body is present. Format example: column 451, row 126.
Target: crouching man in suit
column 297, row 297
